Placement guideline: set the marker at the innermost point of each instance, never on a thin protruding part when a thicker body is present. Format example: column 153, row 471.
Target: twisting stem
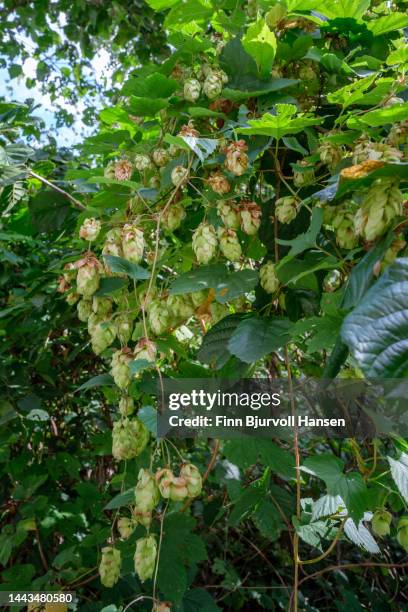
column 328, row 551
column 298, row 492
column 67, row 195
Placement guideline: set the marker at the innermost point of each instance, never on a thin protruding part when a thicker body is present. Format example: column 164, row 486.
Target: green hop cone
column 330, row 154
column 218, row 311
column 129, row 438
column 268, row 279
column 343, row 225
column 101, row 306
column 88, row 276
column 124, row 328
column 109, row 171
column 142, row 162
column 102, row 335
column 173, row 216
column 179, row 176
column 160, row 157
column 212, row 86
column 90, row 229
column 120, row 368
column 304, row 175
column 402, row 532
column 205, row 243
column 286, row 209
column 147, row 493
column 159, row 317
column 141, row 517
column 72, row 298
column 164, row 479
column 113, row 243
column 126, row 405
column 84, row 310
column 198, row 297
column 145, row 350
column 229, row 244
column 250, row 214
column 125, row 527
column 381, row 522
column 229, row 214
column 109, row 567
column 382, row 203
column 192, row 476
column 145, row 557
column 191, row 90
column 133, row 243
column 180, row 307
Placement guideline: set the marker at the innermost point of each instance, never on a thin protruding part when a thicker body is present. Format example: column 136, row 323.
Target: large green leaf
column 388, row 23
column 260, row 42
column 379, row 117
column 257, row 337
column 155, row 85
column 228, row 285
column 281, row 123
column 123, row 266
column 376, row 331
column 214, row 347
column 399, row 472
column 49, row 210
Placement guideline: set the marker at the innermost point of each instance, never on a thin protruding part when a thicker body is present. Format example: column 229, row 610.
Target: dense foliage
column 240, row 211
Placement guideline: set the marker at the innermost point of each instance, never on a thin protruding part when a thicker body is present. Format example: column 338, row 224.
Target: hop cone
column 84, row 310
column 268, row 279
column 145, row 557
column 381, row 522
column 120, row 368
column 109, row 568
column 101, row 306
column 126, row 405
column 381, row 205
column 102, row 335
column 142, row 162
column 160, row 157
column 179, row 175
column 132, row 243
column 159, row 317
column 229, row 244
column 124, row 328
column 147, row 494
column 250, row 214
column 286, row 209
column 402, row 532
column 205, row 243
column 129, row 438
column 125, row 527
column 192, row 476
column 180, row 306
column 191, row 90
column 229, row 214
column 88, row 277
column 173, row 217
column 236, row 159
column 343, row 225
column 212, row 86
column 90, row 229
column 304, row 177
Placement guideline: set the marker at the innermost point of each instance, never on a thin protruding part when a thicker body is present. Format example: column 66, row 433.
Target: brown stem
column 40, row 549
column 328, row 551
column 67, row 195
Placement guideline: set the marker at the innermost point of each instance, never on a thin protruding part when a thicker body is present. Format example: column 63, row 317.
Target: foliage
column 239, row 211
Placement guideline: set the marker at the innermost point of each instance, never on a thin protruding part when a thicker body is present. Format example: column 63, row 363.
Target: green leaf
column 281, row 123
column 48, row 210
column 399, row 56
column 260, row 42
column 126, row 498
column 304, row 241
column 360, row 535
column 376, row 331
column 155, row 85
column 199, row 600
column 327, row 467
column 148, row 416
column 214, row 349
column 123, row 266
column 246, row 504
column 160, row 5
column 110, row 285
column 182, row 14
column 268, row 520
column 228, row 285
column 146, row 107
column 97, row 381
column 379, row 117
column 255, row 338
column 388, row 23
column 346, row 9
column 139, row 365
column 202, row 147
column 399, row 472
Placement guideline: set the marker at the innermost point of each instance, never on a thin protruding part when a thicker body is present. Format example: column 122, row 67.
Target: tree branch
column 67, row 195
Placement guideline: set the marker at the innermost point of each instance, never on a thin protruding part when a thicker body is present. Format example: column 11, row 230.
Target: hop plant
column 109, row 567
column 276, row 14
column 179, row 176
column 343, row 225
column 123, row 170
column 120, row 368
column 101, row 306
column 205, row 243
column 161, row 606
column 330, row 154
column 142, row 162
column 304, row 175
column 109, row 171
column 124, row 328
column 173, row 216
column 218, row 311
column 229, row 214
column 88, row 277
column 191, row 90
column 90, row 229
column 164, row 479
column 72, row 297
column 365, row 149
column 159, row 317
column 198, row 297
column 381, row 522
column 145, row 557
column 250, row 214
column 192, row 476
column 129, row 438
column 160, row 157
column 180, row 307
column 141, row 518
column 229, row 244
column 268, row 279
column 84, row 310
column 402, row 532
column 147, row 493
column 236, row 159
column 125, row 527
column 126, row 405
column 103, row 333
column 382, row 203
column 219, row 183
column 145, row 350
column 112, row 245
column 212, row 86
column 286, row 209
column 132, row 243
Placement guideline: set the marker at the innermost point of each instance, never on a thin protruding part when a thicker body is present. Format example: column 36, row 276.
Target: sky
column 15, row 90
